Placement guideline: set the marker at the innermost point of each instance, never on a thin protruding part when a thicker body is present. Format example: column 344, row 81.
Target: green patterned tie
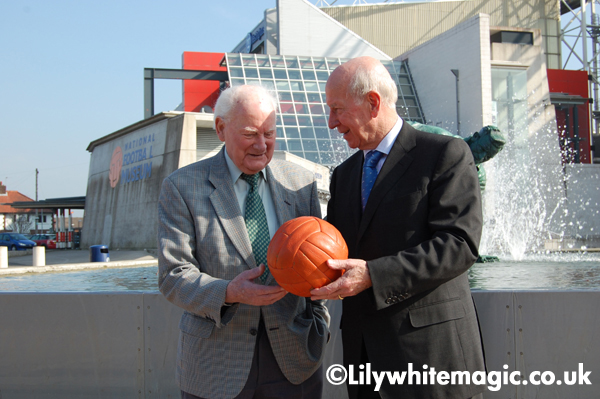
column 256, row 223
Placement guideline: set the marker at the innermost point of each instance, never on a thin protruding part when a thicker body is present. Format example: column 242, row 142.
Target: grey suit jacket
column 203, row 244
column 419, row 233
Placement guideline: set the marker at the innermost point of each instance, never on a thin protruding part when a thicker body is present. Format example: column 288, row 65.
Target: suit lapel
column 394, row 167
column 226, row 207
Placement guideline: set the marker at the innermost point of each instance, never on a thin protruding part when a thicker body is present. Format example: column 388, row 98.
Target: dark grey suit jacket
column 419, row 233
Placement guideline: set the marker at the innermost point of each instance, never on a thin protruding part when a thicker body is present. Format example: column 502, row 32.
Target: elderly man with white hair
column 242, row 336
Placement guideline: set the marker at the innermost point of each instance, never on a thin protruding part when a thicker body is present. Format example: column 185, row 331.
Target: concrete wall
column 466, row 48
column 583, row 202
column 124, row 216
column 123, row 345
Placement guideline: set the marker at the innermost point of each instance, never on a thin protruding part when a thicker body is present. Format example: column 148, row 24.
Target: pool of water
column 542, row 272
column 108, row 279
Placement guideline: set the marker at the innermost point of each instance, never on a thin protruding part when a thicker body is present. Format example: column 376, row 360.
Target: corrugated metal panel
column 207, row 143
column 397, row 28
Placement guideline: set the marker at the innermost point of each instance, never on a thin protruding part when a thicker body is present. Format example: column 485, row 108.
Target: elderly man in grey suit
column 242, row 336
column 409, row 207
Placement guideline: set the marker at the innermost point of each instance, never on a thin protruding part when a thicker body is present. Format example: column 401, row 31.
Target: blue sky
column 72, row 72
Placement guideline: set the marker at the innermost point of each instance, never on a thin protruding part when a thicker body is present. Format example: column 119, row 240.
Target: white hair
column 232, row 95
column 377, row 79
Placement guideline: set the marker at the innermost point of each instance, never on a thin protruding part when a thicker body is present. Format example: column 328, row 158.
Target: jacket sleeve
column 454, row 223
column 179, row 277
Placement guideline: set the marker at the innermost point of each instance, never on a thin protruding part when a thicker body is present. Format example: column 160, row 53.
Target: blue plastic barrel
column 99, row 253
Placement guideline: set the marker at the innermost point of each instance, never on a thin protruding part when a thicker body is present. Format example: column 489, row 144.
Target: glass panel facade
column 299, row 84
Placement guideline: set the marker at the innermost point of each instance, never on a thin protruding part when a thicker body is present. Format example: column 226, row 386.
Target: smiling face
column 249, row 133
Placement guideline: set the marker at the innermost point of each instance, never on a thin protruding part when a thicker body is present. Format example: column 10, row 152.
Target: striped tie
column 256, row 223
column 369, row 174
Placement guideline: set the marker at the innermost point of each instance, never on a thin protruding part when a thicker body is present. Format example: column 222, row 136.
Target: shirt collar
column 387, row 143
column 234, row 171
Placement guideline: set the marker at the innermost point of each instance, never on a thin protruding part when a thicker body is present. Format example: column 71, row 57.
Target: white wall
column 466, row 48
column 306, row 30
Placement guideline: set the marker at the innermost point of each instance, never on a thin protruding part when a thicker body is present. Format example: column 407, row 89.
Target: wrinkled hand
column 355, row 280
column 243, row 290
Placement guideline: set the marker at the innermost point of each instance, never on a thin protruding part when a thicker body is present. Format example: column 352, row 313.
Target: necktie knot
column 373, row 158
column 252, row 180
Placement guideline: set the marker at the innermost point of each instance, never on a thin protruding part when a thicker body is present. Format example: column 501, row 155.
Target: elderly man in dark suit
column 242, row 336
column 409, row 208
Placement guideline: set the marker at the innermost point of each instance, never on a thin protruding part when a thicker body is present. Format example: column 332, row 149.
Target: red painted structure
column 573, row 120
column 198, row 93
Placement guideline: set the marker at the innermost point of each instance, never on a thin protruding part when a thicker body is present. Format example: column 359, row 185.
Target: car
column 44, row 240
column 15, row 241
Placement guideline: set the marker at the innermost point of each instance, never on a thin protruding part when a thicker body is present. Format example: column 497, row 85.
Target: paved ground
column 74, row 259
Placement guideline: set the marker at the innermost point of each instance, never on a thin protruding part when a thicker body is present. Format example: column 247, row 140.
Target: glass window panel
column 236, row 73
column 327, row 158
column 407, row 90
column 277, row 62
column 236, row 82
column 263, row 60
column 322, row 86
column 313, row 97
column 403, row 80
column 233, row 59
column 282, row 85
column 304, row 120
column 322, row 133
column 317, row 109
column 289, row 120
column 294, row 145
column 280, row 145
column 301, row 108
column 294, row 74
column 309, row 144
column 333, row 63
column 403, row 69
column 254, row 82
column 287, row 108
column 265, row 73
column 296, row 85
column 251, row 73
column 291, row 62
column 410, row 101
column 312, row 156
column 292, row 133
column 268, row 84
column 319, row 63
column 280, row 134
column 402, row 112
column 324, row 145
column 319, row 121
column 298, row 153
column 280, row 74
column 305, row 63
column 413, row 112
column 299, row 97
column 309, row 75
column 279, row 122
column 313, row 86
column 248, row 60
column 307, row 133
column 322, row 75
column 285, row 96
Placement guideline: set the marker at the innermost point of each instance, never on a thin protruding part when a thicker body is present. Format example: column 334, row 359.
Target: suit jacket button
column 388, row 301
column 253, row 331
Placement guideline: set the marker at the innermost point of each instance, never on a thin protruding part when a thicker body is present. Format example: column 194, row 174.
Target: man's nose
column 259, row 142
column 333, row 121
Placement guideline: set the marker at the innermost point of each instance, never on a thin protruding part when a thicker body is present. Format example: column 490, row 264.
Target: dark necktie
column 369, row 174
column 256, row 223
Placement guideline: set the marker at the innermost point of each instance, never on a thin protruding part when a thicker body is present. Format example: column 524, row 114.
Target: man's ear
column 374, row 100
column 220, row 128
